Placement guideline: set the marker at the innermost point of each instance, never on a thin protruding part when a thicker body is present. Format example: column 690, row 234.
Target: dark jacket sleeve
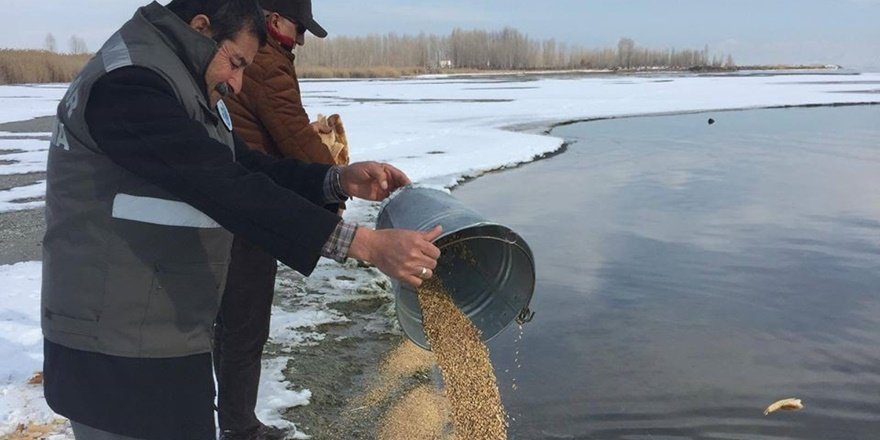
column 303, row 178
column 136, row 119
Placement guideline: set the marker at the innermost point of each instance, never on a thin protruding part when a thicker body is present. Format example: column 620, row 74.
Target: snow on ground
column 21, row 346
column 13, row 199
column 275, row 395
column 436, row 129
column 440, row 129
column 21, row 102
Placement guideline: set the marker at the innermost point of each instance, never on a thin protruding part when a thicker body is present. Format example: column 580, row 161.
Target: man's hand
column 409, row 256
column 371, row 180
column 321, row 127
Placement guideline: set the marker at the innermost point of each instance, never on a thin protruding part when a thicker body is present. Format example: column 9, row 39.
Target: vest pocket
column 181, row 308
column 68, row 324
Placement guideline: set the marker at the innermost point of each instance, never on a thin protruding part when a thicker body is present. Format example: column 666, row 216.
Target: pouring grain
column 470, row 386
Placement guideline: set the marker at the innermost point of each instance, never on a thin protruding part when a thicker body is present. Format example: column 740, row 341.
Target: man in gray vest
column 146, row 185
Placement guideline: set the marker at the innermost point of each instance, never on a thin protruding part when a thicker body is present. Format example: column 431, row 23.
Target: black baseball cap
column 298, row 10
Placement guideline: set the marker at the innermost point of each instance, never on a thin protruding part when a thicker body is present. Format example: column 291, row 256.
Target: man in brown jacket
column 268, row 114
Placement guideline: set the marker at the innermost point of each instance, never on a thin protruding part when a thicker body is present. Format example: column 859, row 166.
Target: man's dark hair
column 228, row 17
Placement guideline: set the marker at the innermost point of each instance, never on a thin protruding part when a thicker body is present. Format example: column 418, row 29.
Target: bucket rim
column 398, row 191
column 519, row 242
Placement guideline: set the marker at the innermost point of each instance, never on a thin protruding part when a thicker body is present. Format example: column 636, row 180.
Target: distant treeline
column 394, row 55
column 507, row 49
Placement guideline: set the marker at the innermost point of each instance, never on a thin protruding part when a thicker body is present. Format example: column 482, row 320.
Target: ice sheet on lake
column 23, row 102
column 440, row 129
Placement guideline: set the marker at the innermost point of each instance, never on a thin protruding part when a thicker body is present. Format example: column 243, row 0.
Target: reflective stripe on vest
column 160, row 212
column 115, row 53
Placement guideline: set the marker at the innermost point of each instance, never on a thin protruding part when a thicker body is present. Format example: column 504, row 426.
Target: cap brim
column 313, row 27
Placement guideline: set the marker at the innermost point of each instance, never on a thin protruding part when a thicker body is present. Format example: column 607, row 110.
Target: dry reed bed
column 39, row 66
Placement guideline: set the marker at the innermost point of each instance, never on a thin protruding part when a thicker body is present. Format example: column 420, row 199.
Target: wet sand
column 21, row 232
column 42, row 124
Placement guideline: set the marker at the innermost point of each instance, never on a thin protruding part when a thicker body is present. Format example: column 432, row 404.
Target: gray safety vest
column 129, row 269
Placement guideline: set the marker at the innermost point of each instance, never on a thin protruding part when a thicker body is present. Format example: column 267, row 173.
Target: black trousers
column 85, row 432
column 142, row 398
column 241, row 331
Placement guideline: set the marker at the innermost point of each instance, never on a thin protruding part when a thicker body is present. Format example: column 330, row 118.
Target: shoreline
column 546, row 129
column 338, row 365
column 360, row 427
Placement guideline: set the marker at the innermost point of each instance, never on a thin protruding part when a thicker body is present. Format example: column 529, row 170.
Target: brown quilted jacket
column 268, row 113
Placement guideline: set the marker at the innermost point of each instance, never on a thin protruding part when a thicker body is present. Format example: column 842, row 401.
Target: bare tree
column 77, row 45
column 625, row 48
column 50, row 44
column 480, row 49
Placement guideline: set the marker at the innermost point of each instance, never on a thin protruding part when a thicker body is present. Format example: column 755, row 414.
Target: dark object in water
column 711, row 121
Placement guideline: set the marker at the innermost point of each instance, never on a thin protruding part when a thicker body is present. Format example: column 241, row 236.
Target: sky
column 841, row 32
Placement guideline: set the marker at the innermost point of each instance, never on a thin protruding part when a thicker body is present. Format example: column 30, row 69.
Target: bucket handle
column 525, row 315
column 506, row 240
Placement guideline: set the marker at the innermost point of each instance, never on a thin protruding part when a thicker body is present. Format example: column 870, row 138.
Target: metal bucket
column 487, row 268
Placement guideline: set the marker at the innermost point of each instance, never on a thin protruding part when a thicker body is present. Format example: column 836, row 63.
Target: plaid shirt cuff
column 339, row 242
column 333, row 192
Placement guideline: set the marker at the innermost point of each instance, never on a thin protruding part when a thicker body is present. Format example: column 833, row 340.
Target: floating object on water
column 785, row 405
column 711, row 121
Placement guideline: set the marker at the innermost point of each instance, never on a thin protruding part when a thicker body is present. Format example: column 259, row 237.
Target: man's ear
column 202, row 24
column 272, row 20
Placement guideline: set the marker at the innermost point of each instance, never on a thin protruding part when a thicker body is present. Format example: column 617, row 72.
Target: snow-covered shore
column 438, row 130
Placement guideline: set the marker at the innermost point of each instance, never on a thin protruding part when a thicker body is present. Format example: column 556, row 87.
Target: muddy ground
column 21, row 232
column 340, row 369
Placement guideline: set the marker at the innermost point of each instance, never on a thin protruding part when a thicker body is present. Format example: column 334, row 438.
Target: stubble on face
column 224, row 74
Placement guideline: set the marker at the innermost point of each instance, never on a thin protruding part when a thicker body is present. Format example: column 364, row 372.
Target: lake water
column 691, row 274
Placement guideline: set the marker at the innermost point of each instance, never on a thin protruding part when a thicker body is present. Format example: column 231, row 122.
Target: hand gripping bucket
column 487, row 268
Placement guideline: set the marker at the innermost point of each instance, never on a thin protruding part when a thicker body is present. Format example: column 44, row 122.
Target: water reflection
column 691, row 274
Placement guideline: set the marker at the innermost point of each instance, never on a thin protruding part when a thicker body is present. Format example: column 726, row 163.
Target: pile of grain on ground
column 406, row 359
column 470, row 386
column 421, row 415
column 38, row 431
column 403, row 369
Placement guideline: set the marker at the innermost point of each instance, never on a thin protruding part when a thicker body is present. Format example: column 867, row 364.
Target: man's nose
column 301, row 39
column 235, row 81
